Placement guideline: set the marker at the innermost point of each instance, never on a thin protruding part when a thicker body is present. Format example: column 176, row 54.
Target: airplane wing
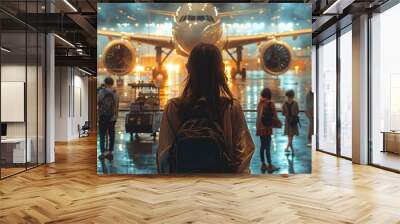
column 236, row 41
column 241, row 12
column 156, row 40
column 160, row 12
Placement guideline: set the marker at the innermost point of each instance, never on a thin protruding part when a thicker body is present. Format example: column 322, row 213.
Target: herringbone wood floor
column 70, row 191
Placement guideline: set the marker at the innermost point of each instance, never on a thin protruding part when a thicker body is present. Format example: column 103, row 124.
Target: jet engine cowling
column 119, row 57
column 276, row 57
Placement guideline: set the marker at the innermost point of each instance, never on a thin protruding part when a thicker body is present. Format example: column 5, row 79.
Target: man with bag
column 107, row 113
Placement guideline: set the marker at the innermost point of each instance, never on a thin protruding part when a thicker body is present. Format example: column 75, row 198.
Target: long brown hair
column 206, row 79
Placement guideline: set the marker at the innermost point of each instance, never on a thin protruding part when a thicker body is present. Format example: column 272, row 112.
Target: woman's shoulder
column 172, row 103
column 236, row 104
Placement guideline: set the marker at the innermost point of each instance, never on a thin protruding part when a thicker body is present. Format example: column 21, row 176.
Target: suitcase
column 139, row 123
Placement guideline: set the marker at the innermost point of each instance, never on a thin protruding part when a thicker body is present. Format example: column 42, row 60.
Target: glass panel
column 346, row 94
column 22, row 81
column 201, row 18
column 327, row 97
column 385, row 83
column 13, row 86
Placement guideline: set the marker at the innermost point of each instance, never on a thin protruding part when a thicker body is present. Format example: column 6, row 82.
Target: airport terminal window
column 327, row 96
column 346, row 93
column 385, row 89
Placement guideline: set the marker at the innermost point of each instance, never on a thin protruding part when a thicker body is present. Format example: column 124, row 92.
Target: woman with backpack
column 267, row 119
column 290, row 110
column 204, row 130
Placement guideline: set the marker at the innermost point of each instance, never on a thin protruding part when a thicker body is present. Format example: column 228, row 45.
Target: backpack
column 199, row 147
column 107, row 105
column 267, row 116
column 293, row 120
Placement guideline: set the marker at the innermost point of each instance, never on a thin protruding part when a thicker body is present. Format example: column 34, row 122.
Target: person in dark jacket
column 263, row 131
column 290, row 110
column 107, row 113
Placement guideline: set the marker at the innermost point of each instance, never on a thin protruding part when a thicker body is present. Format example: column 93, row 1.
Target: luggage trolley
column 143, row 116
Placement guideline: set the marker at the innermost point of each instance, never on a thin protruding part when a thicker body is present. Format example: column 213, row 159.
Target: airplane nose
column 191, row 35
column 195, row 34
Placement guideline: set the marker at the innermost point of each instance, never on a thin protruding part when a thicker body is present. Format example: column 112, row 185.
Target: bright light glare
column 228, row 70
column 70, row 5
column 172, row 68
column 139, row 68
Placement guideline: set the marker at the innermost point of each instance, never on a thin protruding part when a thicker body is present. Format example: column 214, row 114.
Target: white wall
column 71, row 102
column 16, row 73
column 33, row 127
column 13, row 73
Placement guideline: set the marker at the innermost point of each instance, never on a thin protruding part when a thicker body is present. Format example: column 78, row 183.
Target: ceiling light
column 70, row 5
column 65, row 41
column 5, row 50
column 337, row 7
column 84, row 71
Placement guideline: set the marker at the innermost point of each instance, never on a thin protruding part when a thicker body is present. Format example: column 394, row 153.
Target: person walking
column 266, row 120
column 290, row 110
column 107, row 112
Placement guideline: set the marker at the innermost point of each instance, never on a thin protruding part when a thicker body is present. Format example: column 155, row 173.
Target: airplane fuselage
column 194, row 24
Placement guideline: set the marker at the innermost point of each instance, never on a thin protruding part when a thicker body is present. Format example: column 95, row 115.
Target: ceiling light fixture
column 84, row 71
column 5, row 50
column 64, row 40
column 70, row 5
column 337, row 7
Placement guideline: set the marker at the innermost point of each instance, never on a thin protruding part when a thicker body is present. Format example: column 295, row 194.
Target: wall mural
column 204, row 88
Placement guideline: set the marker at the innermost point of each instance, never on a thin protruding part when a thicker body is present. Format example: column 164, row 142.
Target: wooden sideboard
column 391, row 141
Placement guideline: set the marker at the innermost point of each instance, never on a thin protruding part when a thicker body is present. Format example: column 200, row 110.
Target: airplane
column 195, row 23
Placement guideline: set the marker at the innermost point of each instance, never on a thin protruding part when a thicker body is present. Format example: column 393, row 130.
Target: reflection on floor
column 386, row 159
column 5, row 172
column 11, row 169
column 138, row 156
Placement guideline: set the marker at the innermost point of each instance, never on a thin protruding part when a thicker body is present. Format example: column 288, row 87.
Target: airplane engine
column 119, row 57
column 276, row 57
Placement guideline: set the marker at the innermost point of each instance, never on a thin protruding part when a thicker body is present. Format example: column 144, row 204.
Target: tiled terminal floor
column 138, row 156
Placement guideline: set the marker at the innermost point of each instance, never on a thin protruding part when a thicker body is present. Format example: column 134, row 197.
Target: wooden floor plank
column 70, row 191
